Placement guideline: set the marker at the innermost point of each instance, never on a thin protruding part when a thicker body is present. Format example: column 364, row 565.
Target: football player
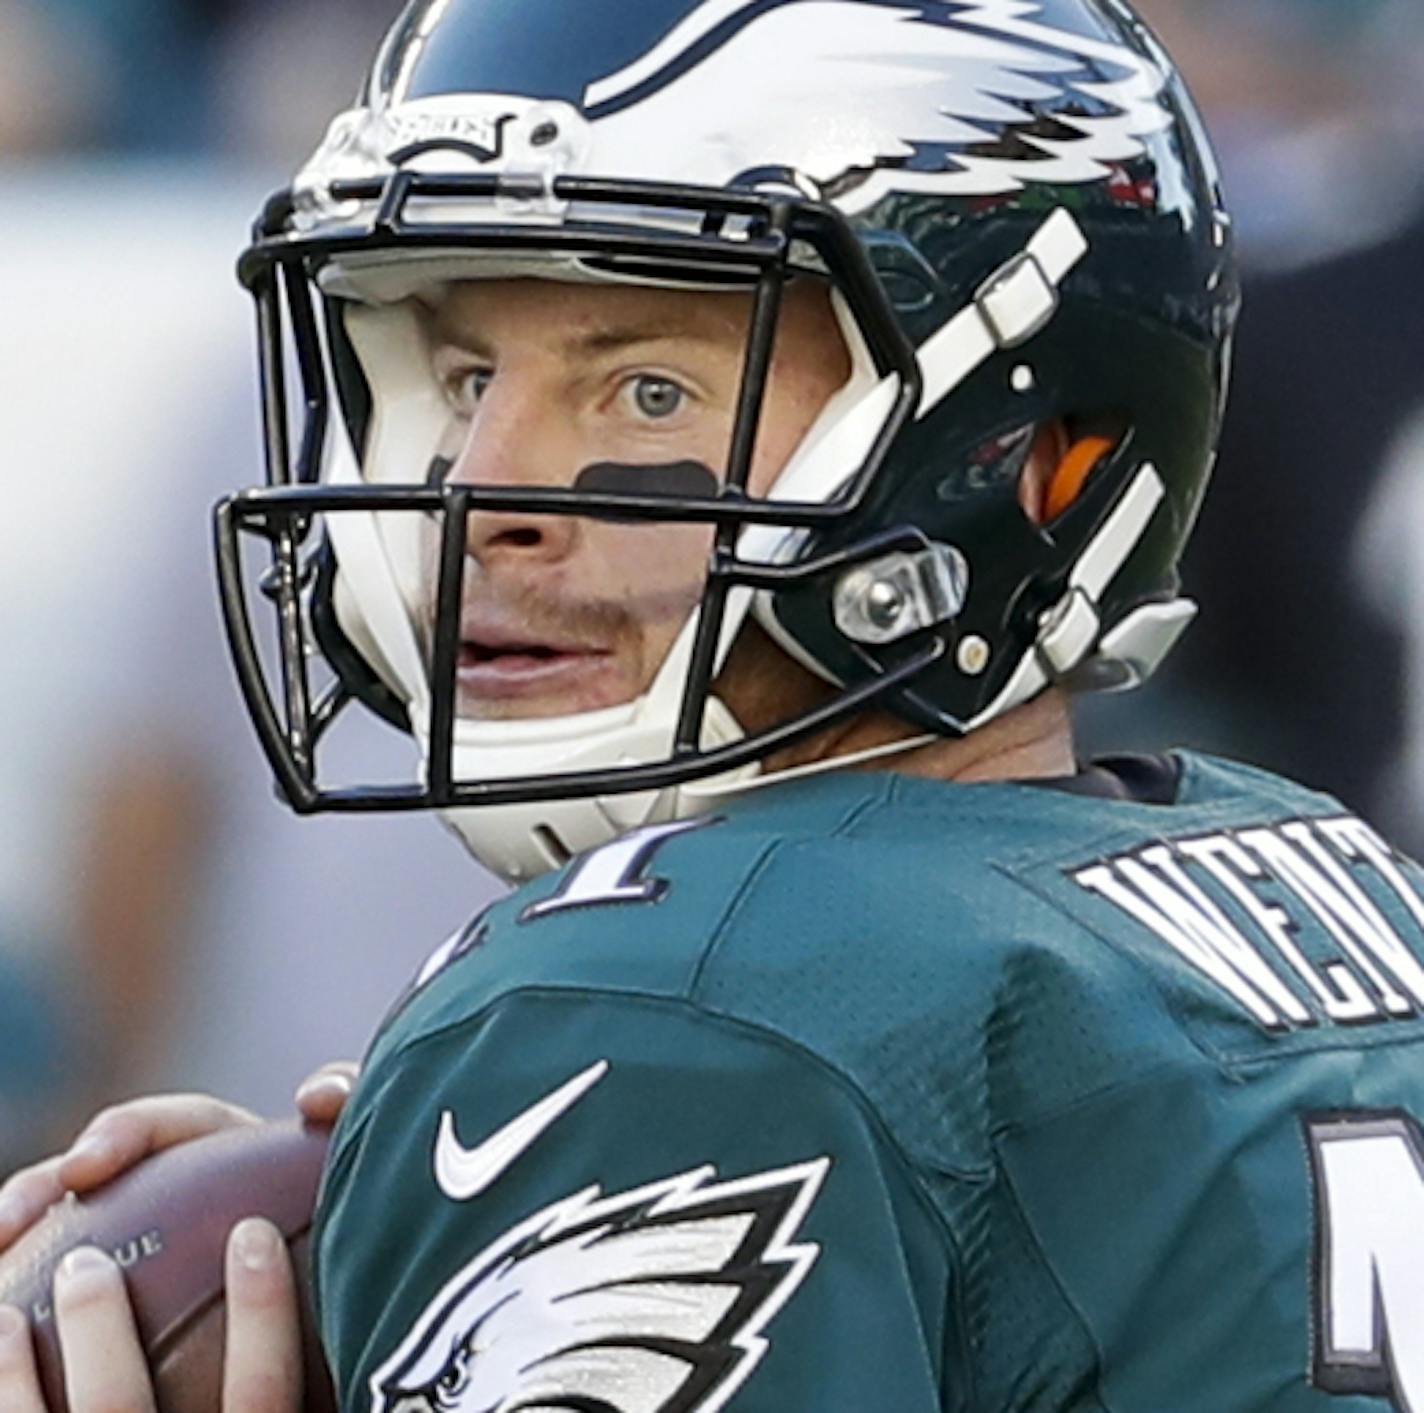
column 726, row 432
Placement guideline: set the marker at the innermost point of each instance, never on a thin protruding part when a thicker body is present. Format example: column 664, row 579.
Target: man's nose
column 514, row 442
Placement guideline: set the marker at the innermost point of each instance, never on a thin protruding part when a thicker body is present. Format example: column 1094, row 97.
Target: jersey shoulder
column 639, row 915
column 1037, row 945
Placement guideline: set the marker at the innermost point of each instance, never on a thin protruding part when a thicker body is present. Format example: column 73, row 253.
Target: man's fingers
column 262, row 1370
column 19, row 1379
column 117, row 1138
column 113, row 1141
column 104, row 1366
column 26, row 1196
column 322, row 1095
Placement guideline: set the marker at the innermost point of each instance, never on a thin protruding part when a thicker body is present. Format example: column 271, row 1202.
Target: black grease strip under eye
column 674, row 479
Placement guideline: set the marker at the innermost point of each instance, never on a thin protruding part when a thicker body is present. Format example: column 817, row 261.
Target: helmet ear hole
column 1047, row 444
column 1077, row 464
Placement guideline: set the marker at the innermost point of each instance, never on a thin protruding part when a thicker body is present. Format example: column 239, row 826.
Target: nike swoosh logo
column 462, row 1173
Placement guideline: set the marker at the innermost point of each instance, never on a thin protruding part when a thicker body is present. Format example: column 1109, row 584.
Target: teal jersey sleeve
column 622, row 1204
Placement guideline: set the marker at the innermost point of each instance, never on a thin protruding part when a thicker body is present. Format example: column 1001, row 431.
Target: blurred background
column 163, row 922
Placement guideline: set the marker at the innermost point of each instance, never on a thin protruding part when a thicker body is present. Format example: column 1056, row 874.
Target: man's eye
column 468, row 388
column 657, row 397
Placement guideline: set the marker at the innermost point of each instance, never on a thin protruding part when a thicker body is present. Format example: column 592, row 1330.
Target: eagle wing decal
column 648, row 1301
column 949, row 109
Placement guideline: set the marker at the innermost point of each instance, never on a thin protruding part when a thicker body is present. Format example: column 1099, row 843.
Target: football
column 166, row 1223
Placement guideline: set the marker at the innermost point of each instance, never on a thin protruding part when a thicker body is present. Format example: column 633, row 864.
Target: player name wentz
column 1313, row 943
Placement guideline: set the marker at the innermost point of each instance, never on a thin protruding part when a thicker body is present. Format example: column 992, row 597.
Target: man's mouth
column 500, row 666
column 510, row 657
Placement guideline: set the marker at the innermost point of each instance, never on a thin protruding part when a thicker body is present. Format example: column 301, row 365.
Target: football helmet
column 1017, row 215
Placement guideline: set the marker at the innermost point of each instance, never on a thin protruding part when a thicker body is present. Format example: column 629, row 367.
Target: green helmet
column 1016, row 213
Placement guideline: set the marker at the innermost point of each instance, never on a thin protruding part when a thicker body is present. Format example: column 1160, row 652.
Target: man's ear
column 1050, row 446
column 1057, row 469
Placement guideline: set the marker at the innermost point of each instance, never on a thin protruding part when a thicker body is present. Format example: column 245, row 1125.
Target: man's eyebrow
column 444, row 336
column 611, row 340
column 594, row 342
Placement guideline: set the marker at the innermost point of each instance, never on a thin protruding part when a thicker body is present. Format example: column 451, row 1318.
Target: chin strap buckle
column 1018, row 300
column 1133, row 650
column 1128, row 654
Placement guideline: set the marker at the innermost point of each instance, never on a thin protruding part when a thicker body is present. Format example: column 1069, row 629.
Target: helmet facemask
column 394, row 525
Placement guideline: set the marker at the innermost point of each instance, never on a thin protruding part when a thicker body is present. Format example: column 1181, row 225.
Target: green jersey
column 878, row 1093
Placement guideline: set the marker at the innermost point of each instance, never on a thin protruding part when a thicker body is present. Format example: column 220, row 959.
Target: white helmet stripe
column 1010, row 311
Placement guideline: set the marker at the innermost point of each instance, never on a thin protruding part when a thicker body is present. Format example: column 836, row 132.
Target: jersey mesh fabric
column 1109, row 1144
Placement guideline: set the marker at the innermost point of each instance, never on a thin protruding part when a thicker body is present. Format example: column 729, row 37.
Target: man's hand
column 104, row 1368
column 322, row 1095
column 112, row 1142
column 121, row 1136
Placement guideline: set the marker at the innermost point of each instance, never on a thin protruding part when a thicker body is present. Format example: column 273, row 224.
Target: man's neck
column 1031, row 742
column 762, row 687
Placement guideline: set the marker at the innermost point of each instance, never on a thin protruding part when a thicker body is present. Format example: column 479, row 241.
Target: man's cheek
column 668, row 560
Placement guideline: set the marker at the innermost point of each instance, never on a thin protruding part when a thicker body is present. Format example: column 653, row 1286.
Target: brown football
column 166, row 1222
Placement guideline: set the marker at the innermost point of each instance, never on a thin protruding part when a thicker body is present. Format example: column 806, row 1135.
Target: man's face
column 545, row 379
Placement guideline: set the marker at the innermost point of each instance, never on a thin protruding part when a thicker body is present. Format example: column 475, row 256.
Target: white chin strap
column 520, row 841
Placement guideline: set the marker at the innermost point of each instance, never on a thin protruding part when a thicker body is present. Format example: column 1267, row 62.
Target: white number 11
column 1368, row 1168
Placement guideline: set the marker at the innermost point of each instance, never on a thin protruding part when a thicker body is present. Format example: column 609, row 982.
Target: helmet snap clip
column 1017, row 300
column 901, row 593
column 1070, row 628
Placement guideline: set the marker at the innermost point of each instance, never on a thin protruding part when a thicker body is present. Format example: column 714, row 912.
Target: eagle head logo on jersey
column 958, row 97
column 648, row 1301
